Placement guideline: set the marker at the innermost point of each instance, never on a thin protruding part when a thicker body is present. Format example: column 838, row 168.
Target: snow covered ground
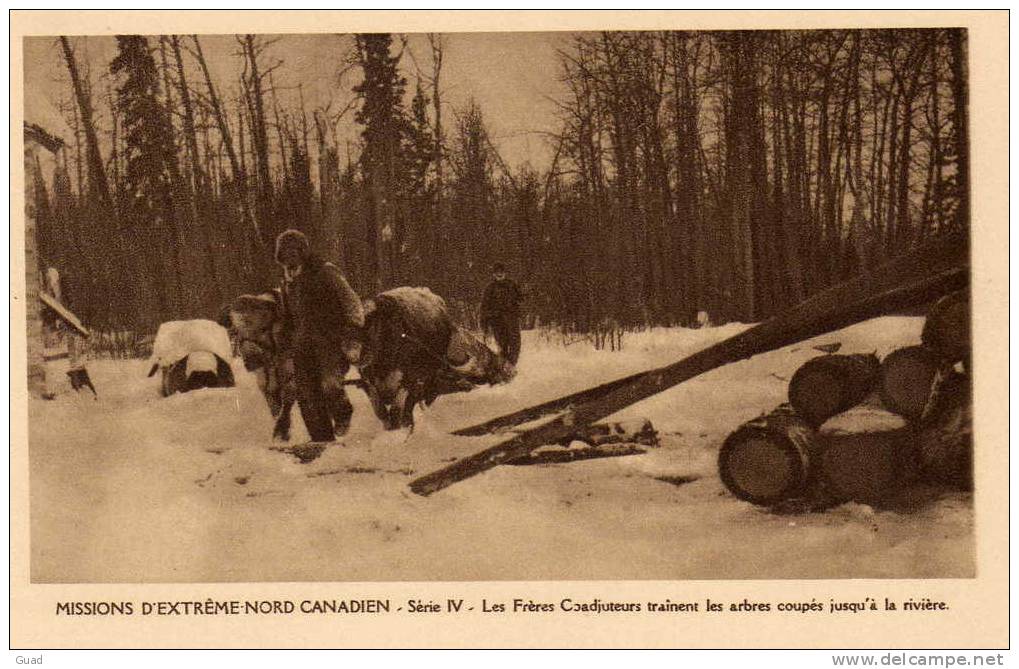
column 134, row 488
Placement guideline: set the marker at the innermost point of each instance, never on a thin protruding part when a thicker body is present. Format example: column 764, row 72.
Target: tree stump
column 907, row 377
column 947, row 328
column 768, row 460
column 830, row 384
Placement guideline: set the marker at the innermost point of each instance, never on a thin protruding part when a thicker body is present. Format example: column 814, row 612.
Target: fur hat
column 293, row 239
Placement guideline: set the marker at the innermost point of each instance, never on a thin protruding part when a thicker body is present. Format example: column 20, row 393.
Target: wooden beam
column 546, row 408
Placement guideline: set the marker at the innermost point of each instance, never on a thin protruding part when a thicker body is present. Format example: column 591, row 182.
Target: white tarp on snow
column 175, row 340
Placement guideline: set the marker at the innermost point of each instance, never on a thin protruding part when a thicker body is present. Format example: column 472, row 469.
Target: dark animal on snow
column 414, row 353
column 256, row 327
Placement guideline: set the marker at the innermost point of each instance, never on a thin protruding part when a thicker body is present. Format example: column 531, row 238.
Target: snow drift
column 189, row 489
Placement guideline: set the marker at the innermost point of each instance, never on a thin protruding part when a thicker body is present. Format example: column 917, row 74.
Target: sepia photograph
column 617, row 305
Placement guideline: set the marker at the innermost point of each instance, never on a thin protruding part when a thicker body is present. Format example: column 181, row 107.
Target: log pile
column 856, row 429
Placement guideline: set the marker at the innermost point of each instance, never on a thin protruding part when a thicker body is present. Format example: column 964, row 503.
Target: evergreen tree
column 150, row 154
column 473, row 192
column 297, row 198
column 384, row 162
column 422, row 244
column 152, row 176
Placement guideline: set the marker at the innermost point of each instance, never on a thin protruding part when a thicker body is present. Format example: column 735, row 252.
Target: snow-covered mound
column 176, row 339
column 190, row 489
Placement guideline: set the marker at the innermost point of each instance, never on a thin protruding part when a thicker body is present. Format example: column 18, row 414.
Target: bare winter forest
column 733, row 173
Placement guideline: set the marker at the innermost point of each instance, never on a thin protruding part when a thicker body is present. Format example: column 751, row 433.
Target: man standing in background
column 500, row 313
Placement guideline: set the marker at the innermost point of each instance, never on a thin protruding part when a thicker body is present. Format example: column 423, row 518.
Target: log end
column 829, row 384
column 815, row 394
column 761, row 466
column 947, row 328
column 907, row 377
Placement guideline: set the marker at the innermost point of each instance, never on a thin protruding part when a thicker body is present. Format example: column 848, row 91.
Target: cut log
column 945, row 439
column 830, row 384
column 768, row 460
column 907, row 379
column 915, row 278
column 866, row 466
column 947, row 328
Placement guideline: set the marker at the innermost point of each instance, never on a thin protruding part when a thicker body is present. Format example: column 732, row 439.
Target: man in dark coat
column 500, row 313
column 325, row 323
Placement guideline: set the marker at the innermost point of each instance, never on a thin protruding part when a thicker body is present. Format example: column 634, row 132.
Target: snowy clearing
column 134, row 488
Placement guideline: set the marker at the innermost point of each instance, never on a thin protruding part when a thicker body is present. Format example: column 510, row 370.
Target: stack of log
column 860, row 429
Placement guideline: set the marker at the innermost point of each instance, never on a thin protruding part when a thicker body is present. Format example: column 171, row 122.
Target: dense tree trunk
column 96, row 171
column 690, row 172
column 960, row 95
